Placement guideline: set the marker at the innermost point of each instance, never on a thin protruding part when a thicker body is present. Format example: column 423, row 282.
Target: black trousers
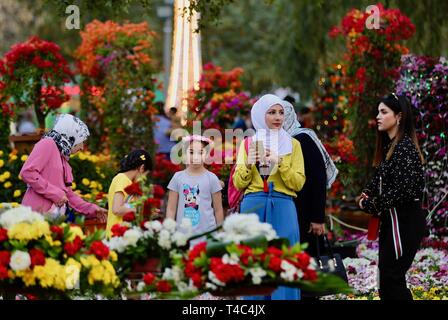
column 409, row 230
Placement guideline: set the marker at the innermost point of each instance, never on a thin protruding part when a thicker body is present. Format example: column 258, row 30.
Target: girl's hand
column 101, row 215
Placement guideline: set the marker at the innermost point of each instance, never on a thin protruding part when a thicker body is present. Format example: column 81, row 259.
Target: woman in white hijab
column 49, row 175
column 271, row 174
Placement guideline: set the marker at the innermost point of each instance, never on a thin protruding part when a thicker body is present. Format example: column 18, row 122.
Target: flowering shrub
column 373, row 60
column 219, row 99
column 38, row 254
column 12, row 187
column 33, row 73
column 425, row 81
column 341, row 150
column 118, row 85
column 330, row 103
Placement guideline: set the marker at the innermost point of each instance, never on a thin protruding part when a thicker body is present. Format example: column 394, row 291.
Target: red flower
column 149, row 278
column 3, row 234
column 226, row 272
column 129, row 217
column 5, row 257
column 163, row 286
column 274, row 251
column 134, row 189
column 99, row 249
column 37, row 257
column 247, row 253
column 275, row 264
column 118, row 230
column 3, row 273
column 159, row 192
column 310, row 274
column 142, row 224
column 58, row 231
column 197, row 250
column 197, row 279
column 303, row 260
column 71, row 248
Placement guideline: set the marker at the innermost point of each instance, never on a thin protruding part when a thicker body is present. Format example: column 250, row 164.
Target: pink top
column 43, row 172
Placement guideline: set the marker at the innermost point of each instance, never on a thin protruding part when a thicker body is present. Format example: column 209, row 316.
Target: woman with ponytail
column 394, row 195
column 134, row 165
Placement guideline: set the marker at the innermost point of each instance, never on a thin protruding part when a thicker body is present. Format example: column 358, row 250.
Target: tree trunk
column 37, row 103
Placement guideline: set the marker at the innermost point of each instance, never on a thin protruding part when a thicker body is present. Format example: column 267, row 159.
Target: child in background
column 134, row 165
column 195, row 193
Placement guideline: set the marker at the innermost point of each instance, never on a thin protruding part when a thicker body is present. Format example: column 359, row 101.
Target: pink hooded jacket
column 43, row 172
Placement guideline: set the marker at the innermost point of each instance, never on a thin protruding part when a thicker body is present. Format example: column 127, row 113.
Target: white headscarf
column 293, row 127
column 68, row 132
column 278, row 141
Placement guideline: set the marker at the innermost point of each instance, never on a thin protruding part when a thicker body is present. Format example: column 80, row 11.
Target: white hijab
column 278, row 141
column 68, row 132
column 293, row 127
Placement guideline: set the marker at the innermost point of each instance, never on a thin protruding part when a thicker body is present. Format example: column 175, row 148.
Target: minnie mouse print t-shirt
column 195, row 198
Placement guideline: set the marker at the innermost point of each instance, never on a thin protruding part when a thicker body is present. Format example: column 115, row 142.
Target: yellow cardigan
column 288, row 179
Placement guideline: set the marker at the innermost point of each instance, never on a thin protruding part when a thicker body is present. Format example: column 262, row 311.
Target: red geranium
column 159, row 192
column 71, row 248
column 149, row 278
column 275, row 263
column 5, row 257
column 118, row 230
column 129, row 217
column 37, row 257
column 226, row 272
column 99, row 249
column 3, row 234
column 197, row 250
column 58, row 231
column 247, row 253
column 163, row 286
column 134, row 189
column 310, row 275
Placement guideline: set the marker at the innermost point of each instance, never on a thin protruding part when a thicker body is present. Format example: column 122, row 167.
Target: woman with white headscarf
column 320, row 172
column 272, row 178
column 48, row 174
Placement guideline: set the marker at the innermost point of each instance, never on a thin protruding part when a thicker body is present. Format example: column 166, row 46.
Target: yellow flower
column 26, row 232
column 12, row 157
column 20, row 177
column 93, row 184
column 2, row 163
column 17, row 193
column 52, row 274
column 73, row 186
column 81, row 156
column 89, row 261
column 24, row 158
column 1, row 153
column 7, row 185
column 7, row 175
column 15, row 204
column 28, row 277
column 113, row 256
column 85, row 181
column 88, row 196
column 52, row 242
column 75, row 231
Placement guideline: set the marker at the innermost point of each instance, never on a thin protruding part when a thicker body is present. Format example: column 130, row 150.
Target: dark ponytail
column 134, row 160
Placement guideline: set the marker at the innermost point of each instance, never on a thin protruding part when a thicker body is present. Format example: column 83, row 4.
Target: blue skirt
column 278, row 210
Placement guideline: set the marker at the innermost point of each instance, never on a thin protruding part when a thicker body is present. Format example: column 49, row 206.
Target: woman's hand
column 61, row 202
column 272, row 157
column 362, row 197
column 101, row 215
column 317, row 228
column 252, row 157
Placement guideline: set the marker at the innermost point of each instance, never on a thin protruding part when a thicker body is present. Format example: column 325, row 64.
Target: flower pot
column 91, row 225
column 261, row 290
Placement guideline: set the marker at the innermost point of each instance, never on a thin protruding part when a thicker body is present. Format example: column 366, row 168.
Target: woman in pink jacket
column 48, row 174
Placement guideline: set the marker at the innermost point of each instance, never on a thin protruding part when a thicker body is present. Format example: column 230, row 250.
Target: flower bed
column 50, row 259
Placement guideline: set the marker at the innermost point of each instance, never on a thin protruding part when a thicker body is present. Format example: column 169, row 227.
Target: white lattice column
column 186, row 62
